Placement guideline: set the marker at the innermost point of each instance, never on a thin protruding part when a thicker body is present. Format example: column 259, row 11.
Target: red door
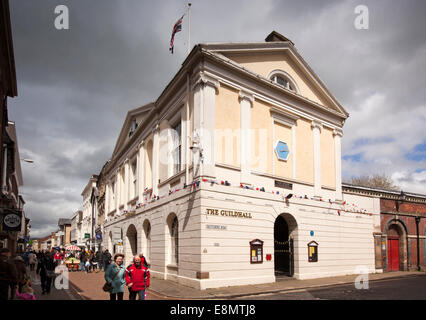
column 393, row 254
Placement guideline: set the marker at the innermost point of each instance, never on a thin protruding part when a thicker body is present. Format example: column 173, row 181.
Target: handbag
column 50, row 273
column 108, row 285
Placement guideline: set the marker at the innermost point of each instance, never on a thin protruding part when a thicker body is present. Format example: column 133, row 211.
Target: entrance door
column 393, row 254
column 283, row 249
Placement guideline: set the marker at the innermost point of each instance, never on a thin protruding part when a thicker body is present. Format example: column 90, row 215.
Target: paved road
column 82, row 286
column 409, row 288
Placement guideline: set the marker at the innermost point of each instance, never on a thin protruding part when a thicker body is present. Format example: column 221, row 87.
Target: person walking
column 21, row 270
column 8, row 275
column 46, row 269
column 83, row 259
column 99, row 260
column 106, row 259
column 32, row 260
column 137, row 278
column 115, row 275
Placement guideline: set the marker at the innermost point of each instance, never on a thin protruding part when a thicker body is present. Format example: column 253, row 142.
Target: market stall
column 71, row 262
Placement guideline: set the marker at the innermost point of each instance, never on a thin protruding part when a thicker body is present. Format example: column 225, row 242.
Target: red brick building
column 401, row 245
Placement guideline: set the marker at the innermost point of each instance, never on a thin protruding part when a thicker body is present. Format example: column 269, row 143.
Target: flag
column 177, row 27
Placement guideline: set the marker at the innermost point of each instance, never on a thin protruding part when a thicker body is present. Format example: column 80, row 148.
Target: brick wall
column 406, row 212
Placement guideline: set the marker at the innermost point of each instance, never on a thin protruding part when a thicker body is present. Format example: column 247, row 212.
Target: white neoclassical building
column 233, row 175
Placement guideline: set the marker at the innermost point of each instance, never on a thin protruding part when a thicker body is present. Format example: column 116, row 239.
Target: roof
column 63, row 221
column 383, row 193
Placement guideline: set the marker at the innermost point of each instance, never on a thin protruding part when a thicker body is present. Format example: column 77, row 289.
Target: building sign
column 99, row 236
column 228, row 213
column 216, row 227
column 87, row 236
column 256, row 251
column 284, row 185
column 313, row 251
column 12, row 220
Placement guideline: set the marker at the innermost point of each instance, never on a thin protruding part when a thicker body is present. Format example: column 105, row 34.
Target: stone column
column 141, row 168
column 126, row 183
column 246, row 102
column 317, row 127
column 338, row 134
column 155, row 159
column 118, row 191
column 107, row 199
column 204, row 125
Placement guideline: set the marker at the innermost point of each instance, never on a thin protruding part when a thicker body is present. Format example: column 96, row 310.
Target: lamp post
column 28, row 160
column 418, row 242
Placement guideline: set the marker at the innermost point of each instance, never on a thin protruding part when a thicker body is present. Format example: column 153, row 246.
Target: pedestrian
column 137, row 279
column 106, row 259
column 21, row 272
column 32, row 260
column 83, row 259
column 145, row 263
column 8, row 275
column 94, row 263
column 46, row 269
column 115, row 275
column 99, row 260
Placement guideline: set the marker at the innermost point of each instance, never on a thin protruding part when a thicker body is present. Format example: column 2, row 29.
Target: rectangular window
column 177, row 148
column 134, row 179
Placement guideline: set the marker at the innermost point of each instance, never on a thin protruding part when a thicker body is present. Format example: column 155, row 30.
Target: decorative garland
column 347, row 207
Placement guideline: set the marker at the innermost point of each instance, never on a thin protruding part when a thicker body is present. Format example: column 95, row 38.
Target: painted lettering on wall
column 228, row 213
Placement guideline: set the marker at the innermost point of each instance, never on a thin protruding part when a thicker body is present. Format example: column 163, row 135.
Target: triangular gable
column 265, row 58
column 139, row 114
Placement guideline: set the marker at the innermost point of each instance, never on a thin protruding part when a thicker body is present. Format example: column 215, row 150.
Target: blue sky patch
column 418, row 153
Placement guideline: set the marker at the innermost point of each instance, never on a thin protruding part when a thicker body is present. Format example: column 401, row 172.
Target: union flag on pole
column 177, row 27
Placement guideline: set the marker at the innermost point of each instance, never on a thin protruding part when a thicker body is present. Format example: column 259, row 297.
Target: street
column 410, row 288
column 82, row 286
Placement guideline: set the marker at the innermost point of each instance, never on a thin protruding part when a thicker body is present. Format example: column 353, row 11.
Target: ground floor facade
column 211, row 235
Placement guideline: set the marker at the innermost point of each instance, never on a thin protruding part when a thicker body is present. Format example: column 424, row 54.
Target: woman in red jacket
column 137, row 278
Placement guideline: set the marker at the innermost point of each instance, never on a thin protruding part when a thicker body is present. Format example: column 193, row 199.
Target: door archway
column 131, row 243
column 396, row 253
column 284, row 227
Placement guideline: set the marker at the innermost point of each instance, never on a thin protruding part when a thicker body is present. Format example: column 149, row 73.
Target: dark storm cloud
column 76, row 86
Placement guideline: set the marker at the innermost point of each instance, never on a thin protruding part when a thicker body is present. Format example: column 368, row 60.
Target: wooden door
column 393, row 254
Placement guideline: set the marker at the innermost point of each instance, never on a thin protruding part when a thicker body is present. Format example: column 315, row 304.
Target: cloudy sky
column 75, row 86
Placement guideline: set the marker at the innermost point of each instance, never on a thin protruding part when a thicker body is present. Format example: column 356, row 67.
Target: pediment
column 138, row 115
column 265, row 59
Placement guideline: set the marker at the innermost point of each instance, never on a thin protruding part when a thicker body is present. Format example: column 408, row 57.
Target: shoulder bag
column 108, row 286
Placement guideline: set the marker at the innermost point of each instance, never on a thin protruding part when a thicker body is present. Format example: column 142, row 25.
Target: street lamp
column 28, row 160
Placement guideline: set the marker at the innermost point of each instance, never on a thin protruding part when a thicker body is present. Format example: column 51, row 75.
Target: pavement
column 172, row 290
column 88, row 286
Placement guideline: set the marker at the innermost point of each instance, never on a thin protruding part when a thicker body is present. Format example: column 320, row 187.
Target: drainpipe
column 418, row 243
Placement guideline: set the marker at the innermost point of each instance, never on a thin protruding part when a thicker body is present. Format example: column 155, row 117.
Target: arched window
column 174, row 234
column 283, row 79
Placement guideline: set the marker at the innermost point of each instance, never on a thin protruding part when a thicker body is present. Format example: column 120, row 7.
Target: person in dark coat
column 106, row 259
column 83, row 259
column 46, row 267
column 21, row 271
column 8, row 275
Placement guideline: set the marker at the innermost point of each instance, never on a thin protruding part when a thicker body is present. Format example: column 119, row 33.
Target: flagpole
column 189, row 27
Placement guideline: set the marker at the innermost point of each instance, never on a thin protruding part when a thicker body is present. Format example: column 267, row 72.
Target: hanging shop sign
column 228, row 213
column 12, row 220
column 87, row 236
column 313, row 251
column 256, row 251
